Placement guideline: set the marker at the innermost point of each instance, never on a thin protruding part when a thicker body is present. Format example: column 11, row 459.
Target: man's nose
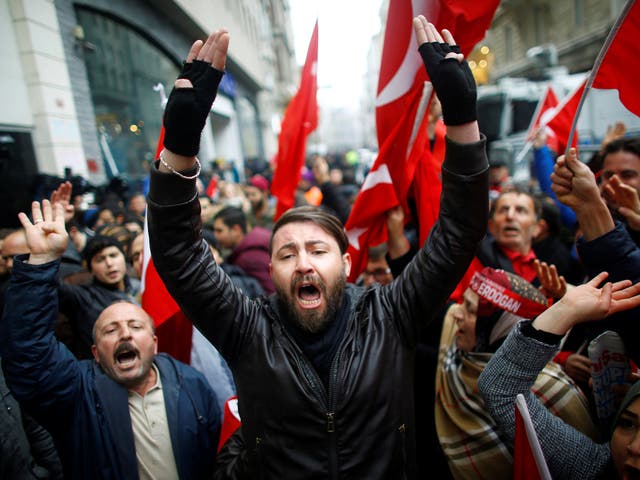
column 304, row 263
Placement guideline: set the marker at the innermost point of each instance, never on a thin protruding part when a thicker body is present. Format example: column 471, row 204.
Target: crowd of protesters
column 411, row 372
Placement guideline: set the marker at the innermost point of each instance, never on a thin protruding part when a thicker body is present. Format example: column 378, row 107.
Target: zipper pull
column 330, row 425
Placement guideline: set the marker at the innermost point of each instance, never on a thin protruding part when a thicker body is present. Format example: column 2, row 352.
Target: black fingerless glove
column 453, row 82
column 187, row 108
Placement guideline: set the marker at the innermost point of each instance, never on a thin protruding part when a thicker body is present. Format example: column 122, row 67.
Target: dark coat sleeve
column 42, row 374
column 224, row 315
column 415, row 297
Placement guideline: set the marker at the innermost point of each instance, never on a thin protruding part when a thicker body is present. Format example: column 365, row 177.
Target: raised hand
column 588, row 302
column 552, row 285
column 62, row 195
column 572, row 181
column 397, row 242
column 575, row 186
column 625, row 198
column 190, row 100
column 448, row 71
column 320, row 170
column 46, row 236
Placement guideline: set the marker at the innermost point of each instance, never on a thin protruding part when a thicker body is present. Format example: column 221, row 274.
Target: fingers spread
column 194, row 50
column 24, row 220
column 221, row 46
column 419, row 27
column 434, row 34
column 47, row 211
column 448, row 37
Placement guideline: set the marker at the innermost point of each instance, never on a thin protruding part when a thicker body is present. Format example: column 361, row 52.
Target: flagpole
column 596, row 67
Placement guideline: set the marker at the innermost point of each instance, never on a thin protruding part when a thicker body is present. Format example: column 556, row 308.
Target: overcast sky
column 344, row 30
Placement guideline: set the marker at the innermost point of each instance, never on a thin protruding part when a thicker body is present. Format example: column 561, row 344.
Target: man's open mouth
column 308, row 294
column 125, row 354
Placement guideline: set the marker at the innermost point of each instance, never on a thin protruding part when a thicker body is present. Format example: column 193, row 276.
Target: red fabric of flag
column 401, row 132
column 620, row 68
column 559, row 123
column 528, row 459
column 427, row 182
column 173, row 329
column 300, row 119
column 544, row 111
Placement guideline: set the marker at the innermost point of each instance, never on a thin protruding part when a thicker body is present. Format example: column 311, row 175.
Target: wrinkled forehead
column 514, row 198
column 122, row 312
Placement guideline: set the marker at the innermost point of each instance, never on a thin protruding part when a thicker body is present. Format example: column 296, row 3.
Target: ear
column 155, row 345
column 94, row 351
column 346, row 260
column 270, row 268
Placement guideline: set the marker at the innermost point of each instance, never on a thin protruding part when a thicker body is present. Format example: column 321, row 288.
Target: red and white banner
column 401, row 112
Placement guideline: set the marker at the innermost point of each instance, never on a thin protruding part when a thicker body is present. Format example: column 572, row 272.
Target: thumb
column 572, row 160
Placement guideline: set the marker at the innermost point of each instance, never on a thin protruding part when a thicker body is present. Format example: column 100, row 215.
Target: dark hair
column 537, row 207
column 122, row 234
column 550, row 213
column 231, row 216
column 96, row 245
column 310, row 214
column 624, row 144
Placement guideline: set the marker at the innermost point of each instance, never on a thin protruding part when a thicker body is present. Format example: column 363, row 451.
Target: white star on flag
column 381, row 175
column 354, row 236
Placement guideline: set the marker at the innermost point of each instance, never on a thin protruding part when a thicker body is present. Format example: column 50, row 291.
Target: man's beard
column 313, row 321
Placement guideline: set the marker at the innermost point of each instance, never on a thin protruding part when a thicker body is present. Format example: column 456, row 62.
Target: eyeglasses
column 377, row 272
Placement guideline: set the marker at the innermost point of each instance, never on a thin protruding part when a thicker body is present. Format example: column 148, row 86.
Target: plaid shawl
column 474, row 446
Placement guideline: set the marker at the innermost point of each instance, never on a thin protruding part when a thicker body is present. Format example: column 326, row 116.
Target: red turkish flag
column 559, row 123
column 400, row 120
column 300, row 119
column 619, row 68
column 427, row 182
column 544, row 111
column 528, row 459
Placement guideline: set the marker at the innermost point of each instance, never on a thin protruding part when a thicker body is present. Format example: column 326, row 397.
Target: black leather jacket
column 362, row 427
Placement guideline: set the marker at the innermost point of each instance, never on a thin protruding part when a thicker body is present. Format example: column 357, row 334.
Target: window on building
column 123, row 71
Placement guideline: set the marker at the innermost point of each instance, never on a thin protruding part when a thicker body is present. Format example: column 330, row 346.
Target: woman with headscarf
column 530, row 345
column 472, row 441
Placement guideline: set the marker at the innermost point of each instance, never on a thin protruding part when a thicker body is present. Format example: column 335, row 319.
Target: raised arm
column 528, row 348
column 183, row 260
column 41, row 372
column 436, row 269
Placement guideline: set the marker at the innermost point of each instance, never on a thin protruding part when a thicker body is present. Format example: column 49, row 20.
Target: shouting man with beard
column 129, row 412
column 323, row 369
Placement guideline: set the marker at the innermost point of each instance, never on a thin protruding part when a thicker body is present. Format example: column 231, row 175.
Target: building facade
column 85, row 81
column 527, row 36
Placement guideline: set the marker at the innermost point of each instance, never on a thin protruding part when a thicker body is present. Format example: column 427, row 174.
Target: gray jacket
column 513, row 370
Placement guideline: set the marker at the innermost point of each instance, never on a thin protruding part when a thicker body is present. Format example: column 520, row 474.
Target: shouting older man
column 129, row 413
